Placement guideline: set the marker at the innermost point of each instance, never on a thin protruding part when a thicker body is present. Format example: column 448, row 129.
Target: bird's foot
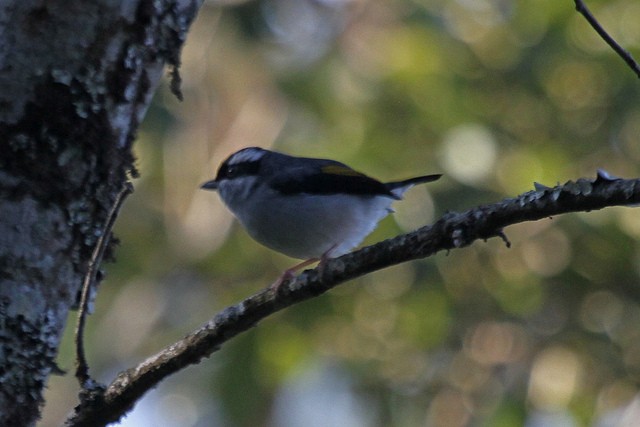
column 290, row 273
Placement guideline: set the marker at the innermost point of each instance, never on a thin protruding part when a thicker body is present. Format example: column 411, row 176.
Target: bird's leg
column 290, row 273
column 324, row 258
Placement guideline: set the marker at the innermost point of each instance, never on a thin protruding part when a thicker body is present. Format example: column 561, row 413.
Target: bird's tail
column 398, row 188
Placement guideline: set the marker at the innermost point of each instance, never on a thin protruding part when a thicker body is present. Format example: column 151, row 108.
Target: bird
column 307, row 208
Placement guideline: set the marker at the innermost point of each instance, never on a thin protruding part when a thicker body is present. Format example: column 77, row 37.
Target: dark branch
column 82, row 368
column 453, row 230
column 624, row 54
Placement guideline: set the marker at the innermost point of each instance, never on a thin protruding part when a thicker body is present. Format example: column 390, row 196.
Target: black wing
column 330, row 178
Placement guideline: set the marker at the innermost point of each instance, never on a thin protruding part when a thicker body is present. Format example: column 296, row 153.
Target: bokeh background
column 494, row 94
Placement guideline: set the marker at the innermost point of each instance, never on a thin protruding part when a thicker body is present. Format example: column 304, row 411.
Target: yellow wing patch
column 340, row 170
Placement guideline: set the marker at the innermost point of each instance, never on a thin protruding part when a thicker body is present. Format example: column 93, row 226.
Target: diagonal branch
column 453, row 230
column 624, row 54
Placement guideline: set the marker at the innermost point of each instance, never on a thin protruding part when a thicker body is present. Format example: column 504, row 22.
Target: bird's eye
column 237, row 170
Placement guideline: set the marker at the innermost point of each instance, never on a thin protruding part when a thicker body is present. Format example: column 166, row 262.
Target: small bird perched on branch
column 311, row 209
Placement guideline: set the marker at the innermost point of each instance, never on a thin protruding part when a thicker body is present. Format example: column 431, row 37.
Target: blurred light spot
column 625, row 416
column 522, row 297
column 575, row 85
column 471, row 20
column 449, row 409
column 531, row 21
column 627, row 24
column 625, row 333
column 467, row 375
column 183, row 406
column 598, row 218
column 493, row 343
column 581, row 36
column 518, row 170
column 631, row 354
column 281, row 349
column 374, row 317
column 628, row 135
column 334, row 337
column 350, row 91
column 554, row 378
column 198, row 46
column 524, row 114
column 460, row 282
column 303, row 30
column 499, row 49
column 392, row 282
column 425, row 318
column 548, row 254
column 412, row 53
column 406, row 370
column 130, row 319
column 416, row 210
column 177, row 410
column 554, row 418
column 549, row 319
column 320, row 396
column 629, row 221
column 469, row 153
column 601, row 312
column 510, row 264
column 204, row 226
column 615, row 396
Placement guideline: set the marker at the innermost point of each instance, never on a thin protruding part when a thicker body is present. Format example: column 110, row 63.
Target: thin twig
column 82, row 368
column 624, row 54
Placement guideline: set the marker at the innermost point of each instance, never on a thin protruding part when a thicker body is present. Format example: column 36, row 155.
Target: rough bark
column 76, row 79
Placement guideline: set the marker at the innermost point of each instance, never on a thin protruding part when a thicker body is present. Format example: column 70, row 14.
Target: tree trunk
column 76, row 79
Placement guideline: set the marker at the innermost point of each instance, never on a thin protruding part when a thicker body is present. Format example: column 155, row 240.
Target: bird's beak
column 210, row 185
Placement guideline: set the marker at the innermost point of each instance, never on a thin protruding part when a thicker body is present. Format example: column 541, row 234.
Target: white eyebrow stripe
column 247, row 155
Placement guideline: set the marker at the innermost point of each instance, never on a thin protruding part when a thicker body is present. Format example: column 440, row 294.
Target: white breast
column 306, row 226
